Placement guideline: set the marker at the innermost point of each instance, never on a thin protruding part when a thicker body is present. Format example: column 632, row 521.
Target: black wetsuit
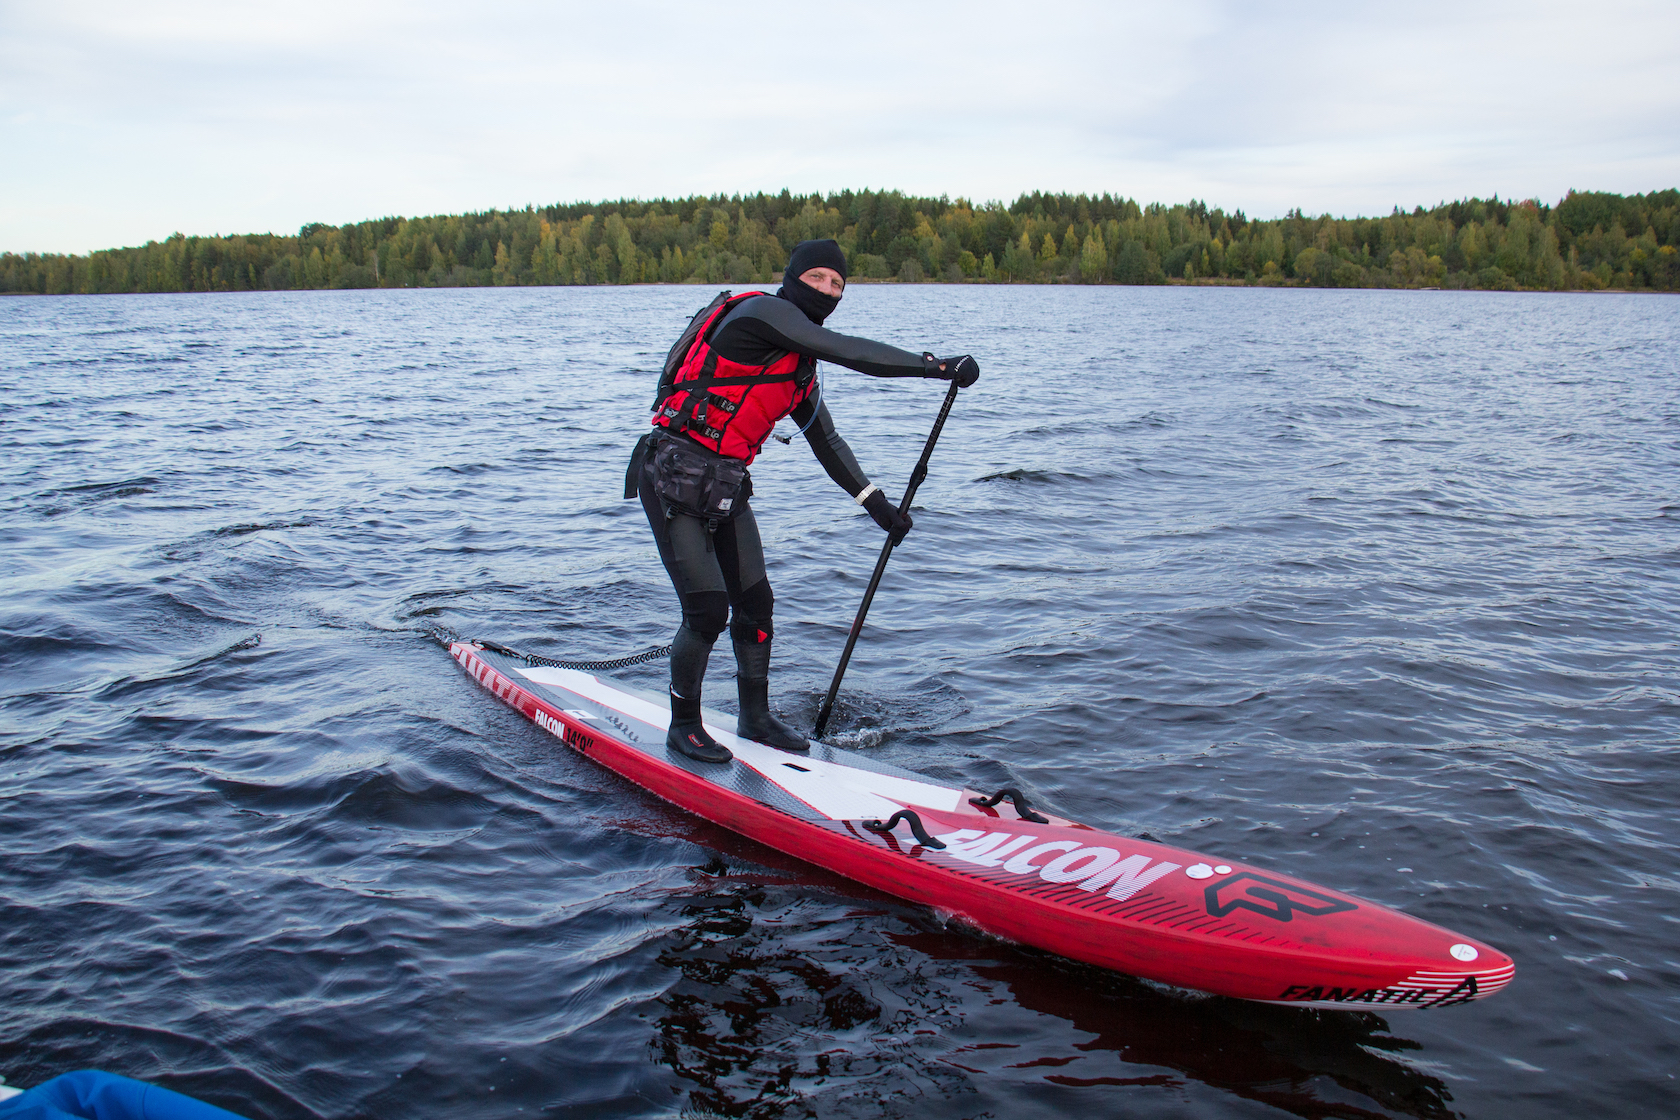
column 728, row 571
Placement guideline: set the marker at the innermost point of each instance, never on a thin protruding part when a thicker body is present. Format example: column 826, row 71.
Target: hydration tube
column 807, row 427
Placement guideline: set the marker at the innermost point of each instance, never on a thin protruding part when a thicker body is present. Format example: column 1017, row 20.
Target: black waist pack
column 695, row 480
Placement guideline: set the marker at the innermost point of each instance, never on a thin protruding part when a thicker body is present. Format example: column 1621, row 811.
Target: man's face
column 825, row 280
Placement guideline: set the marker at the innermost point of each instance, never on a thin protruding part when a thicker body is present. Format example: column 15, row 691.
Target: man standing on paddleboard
column 744, row 363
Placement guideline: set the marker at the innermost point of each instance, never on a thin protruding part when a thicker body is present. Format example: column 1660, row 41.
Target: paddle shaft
column 916, row 477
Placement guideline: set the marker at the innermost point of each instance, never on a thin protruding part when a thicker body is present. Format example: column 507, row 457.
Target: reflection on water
column 788, row 1004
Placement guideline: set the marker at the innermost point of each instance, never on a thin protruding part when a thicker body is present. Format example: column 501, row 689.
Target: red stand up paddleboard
column 1146, row 909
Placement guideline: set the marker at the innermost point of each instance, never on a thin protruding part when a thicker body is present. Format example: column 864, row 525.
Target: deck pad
column 828, row 780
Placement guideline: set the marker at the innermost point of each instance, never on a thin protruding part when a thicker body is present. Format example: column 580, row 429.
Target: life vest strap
column 681, row 422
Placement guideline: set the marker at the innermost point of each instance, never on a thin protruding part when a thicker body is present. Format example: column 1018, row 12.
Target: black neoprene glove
column 886, row 515
column 962, row 369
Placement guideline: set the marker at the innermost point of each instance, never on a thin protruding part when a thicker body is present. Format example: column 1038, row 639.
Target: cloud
column 126, row 122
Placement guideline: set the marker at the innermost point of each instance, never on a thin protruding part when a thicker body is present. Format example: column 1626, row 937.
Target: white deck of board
column 839, row 792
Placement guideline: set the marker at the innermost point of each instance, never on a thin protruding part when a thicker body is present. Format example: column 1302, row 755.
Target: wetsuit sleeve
column 831, row 451
column 778, row 325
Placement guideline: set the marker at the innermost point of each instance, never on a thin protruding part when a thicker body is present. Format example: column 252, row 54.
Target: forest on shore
column 1587, row 241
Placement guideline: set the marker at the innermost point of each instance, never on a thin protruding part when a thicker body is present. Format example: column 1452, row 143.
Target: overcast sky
column 124, row 122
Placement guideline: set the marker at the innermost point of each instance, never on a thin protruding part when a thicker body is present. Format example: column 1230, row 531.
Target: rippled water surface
column 1376, row 588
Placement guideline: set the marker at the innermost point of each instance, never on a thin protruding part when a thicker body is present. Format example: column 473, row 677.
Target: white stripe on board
column 840, row 792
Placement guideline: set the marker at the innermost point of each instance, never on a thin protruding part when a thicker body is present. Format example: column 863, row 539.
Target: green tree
column 1093, row 259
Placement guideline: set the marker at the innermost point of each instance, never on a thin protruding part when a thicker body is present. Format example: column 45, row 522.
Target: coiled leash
column 586, row 666
column 444, row 637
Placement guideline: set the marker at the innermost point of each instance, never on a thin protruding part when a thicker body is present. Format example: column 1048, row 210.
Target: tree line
column 1587, row 241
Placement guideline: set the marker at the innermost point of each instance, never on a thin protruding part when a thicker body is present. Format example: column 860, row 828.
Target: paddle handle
column 916, row 477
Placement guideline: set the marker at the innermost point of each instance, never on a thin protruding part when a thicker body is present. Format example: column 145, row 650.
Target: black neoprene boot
column 687, row 735
column 752, row 680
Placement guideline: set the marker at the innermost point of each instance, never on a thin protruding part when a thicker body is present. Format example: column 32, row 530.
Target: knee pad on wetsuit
column 752, row 614
column 706, row 613
column 750, row 631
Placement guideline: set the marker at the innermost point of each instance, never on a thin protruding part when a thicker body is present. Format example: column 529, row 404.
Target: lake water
column 1377, row 587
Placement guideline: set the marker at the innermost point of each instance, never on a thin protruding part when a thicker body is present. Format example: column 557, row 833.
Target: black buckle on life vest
column 701, row 428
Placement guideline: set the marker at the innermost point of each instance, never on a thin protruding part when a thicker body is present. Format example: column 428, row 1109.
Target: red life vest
column 728, row 406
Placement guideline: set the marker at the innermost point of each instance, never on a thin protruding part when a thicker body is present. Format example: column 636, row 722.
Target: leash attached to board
column 916, row 477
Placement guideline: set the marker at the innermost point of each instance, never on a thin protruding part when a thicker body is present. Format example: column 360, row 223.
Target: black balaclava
column 805, row 256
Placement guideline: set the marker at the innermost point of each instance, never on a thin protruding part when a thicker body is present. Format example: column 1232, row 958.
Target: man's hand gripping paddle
column 916, row 477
